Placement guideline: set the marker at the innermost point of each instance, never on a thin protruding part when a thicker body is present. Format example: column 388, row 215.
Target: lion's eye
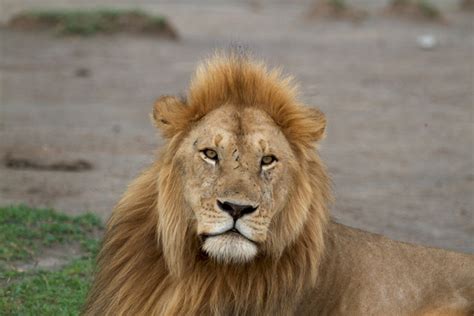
column 268, row 160
column 210, row 154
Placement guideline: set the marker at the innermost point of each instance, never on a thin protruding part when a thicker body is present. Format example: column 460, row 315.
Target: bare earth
column 400, row 140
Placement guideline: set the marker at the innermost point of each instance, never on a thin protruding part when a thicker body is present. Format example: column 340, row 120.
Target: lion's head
column 237, row 196
column 238, row 148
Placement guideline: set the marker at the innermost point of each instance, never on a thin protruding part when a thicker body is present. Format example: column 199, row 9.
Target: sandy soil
column 400, row 138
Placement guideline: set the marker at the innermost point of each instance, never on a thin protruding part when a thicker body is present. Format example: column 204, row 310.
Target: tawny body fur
column 232, row 219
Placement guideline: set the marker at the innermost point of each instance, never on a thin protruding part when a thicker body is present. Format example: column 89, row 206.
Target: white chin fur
column 229, row 248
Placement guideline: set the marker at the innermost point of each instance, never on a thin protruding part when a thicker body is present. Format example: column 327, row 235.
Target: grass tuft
column 337, row 4
column 417, row 9
column 335, row 9
column 91, row 22
column 428, row 9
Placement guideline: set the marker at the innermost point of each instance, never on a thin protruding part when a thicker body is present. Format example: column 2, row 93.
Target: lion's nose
column 236, row 210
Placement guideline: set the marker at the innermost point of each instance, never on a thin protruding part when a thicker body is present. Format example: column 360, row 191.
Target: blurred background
column 395, row 79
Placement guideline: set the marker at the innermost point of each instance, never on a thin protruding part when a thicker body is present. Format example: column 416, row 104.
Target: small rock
column 426, row 41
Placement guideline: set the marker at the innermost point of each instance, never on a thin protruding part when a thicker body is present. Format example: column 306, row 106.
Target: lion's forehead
column 244, row 128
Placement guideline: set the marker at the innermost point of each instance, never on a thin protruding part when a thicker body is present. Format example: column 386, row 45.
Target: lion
column 232, row 218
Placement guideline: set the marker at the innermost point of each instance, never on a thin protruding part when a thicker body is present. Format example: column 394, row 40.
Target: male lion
column 232, row 219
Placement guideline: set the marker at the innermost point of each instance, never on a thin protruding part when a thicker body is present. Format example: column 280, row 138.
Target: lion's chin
column 230, row 248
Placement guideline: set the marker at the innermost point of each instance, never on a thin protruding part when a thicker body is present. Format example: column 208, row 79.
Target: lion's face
column 237, row 172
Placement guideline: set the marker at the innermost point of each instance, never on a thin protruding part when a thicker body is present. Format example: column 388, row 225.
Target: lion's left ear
column 169, row 115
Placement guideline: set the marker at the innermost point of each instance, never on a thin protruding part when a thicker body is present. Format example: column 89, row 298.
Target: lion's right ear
column 169, row 115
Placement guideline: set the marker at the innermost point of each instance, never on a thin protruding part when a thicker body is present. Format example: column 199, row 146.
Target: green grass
column 90, row 22
column 60, row 292
column 400, row 2
column 26, row 232
column 428, row 9
column 337, row 4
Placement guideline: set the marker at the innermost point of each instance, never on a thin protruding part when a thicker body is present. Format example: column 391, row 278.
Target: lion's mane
column 150, row 262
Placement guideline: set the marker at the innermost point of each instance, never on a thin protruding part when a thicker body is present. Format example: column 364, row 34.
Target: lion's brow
column 217, row 139
column 263, row 145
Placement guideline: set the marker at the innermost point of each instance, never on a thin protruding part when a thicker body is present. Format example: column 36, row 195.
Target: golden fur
column 151, row 261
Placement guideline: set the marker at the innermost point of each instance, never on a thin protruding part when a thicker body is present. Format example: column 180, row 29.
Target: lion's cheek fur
column 174, row 227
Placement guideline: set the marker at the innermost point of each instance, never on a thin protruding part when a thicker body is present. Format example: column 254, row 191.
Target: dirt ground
column 400, row 138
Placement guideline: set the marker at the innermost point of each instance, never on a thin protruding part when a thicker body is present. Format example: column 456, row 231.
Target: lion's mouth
column 230, row 246
column 234, row 232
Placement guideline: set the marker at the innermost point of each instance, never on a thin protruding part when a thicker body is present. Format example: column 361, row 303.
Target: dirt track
column 400, row 139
